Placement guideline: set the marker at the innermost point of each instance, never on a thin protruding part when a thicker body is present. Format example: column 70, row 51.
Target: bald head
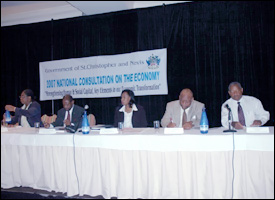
column 186, row 91
column 68, row 97
column 186, row 98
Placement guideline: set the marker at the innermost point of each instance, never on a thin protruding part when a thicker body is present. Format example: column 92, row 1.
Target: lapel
column 63, row 114
column 74, row 114
column 177, row 111
column 191, row 111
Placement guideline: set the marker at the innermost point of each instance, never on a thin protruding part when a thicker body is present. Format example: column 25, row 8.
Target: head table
column 141, row 163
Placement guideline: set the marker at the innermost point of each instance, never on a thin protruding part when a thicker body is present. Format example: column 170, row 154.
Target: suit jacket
column 76, row 117
column 33, row 114
column 138, row 118
column 173, row 110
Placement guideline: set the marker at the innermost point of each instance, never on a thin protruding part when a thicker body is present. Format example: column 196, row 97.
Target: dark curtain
column 209, row 45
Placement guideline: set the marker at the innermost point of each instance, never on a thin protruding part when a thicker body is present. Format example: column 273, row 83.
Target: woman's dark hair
column 132, row 95
column 29, row 93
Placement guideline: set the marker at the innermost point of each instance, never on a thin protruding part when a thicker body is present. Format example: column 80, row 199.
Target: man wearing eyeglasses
column 29, row 113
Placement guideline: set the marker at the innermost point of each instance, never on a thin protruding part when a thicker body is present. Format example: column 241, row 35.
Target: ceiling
column 25, row 12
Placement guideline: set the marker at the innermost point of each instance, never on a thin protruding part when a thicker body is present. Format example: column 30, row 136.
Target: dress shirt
column 128, row 116
column 252, row 109
column 71, row 114
column 24, row 121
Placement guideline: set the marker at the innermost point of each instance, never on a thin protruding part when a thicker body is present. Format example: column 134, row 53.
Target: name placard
column 108, row 131
column 257, row 129
column 173, row 131
column 4, row 129
column 46, row 131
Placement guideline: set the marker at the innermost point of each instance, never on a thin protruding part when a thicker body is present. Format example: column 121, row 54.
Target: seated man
column 70, row 115
column 246, row 110
column 185, row 112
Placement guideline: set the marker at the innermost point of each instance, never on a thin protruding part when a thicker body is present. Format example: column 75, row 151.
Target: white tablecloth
column 141, row 163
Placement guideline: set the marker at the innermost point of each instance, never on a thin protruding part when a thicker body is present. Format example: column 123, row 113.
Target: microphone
column 228, row 108
column 70, row 129
column 229, row 119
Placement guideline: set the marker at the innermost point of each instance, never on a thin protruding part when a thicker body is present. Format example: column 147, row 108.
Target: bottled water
column 204, row 125
column 85, row 124
column 8, row 117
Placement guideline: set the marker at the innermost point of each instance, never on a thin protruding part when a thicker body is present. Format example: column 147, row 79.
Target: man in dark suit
column 70, row 115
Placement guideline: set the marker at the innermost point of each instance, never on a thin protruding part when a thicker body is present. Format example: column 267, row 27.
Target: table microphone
column 70, row 129
column 229, row 119
column 228, row 108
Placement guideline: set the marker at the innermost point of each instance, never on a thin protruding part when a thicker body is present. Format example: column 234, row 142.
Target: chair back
column 91, row 119
column 48, row 119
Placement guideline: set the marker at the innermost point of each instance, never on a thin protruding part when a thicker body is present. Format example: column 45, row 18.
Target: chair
column 91, row 119
column 48, row 119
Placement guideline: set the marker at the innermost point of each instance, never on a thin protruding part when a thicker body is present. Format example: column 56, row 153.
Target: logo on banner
column 153, row 62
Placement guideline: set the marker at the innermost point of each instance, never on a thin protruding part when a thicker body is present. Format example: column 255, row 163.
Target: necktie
column 68, row 116
column 184, row 117
column 240, row 114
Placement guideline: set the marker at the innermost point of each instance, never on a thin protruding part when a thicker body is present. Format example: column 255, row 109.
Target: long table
column 141, row 163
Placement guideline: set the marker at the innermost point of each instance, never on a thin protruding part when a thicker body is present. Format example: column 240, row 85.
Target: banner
column 143, row 72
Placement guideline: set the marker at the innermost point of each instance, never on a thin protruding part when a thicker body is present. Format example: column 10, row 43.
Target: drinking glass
column 120, row 125
column 156, row 124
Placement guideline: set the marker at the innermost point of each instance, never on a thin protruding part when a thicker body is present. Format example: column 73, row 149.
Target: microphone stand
column 229, row 124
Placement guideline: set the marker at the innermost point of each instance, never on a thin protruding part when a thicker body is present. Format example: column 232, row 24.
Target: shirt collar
column 187, row 109
column 71, row 110
column 240, row 100
column 26, row 107
column 134, row 107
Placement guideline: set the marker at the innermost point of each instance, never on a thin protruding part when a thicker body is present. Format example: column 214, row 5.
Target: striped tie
column 68, row 116
column 240, row 114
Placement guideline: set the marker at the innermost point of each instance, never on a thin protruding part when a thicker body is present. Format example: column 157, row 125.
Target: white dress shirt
column 252, row 109
column 71, row 114
column 128, row 116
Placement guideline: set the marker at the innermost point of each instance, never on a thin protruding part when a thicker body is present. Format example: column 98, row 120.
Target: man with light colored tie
column 246, row 110
column 185, row 112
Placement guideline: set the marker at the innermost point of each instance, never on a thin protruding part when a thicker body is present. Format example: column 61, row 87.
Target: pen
column 171, row 120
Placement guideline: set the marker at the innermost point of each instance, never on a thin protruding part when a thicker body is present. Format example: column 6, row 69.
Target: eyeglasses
column 22, row 96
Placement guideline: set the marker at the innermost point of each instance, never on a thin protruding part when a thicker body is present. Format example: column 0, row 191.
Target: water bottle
column 204, row 122
column 85, row 124
column 8, row 117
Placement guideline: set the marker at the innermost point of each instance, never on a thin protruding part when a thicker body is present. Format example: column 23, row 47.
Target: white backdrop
column 144, row 72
